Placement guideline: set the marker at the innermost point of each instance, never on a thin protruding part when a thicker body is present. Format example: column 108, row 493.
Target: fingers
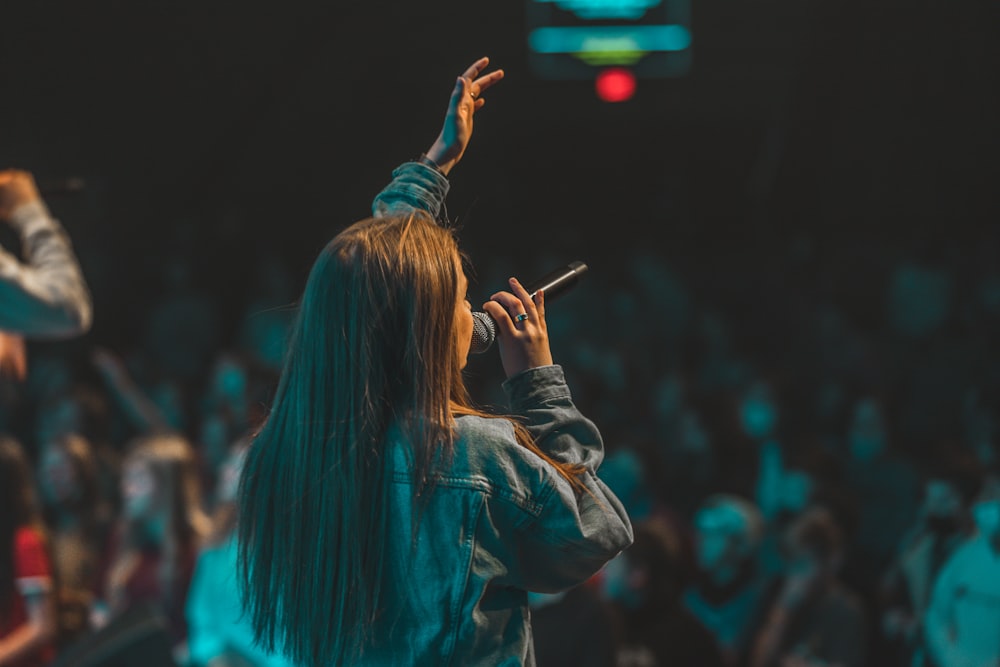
column 510, row 305
column 475, row 68
column 517, row 303
column 483, row 83
column 479, row 84
column 459, row 94
column 523, row 296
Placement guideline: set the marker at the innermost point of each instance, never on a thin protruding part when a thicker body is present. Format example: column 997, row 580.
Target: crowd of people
column 832, row 503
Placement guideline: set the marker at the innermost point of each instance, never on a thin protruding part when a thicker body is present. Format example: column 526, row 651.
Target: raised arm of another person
column 422, row 183
column 140, row 410
column 46, row 296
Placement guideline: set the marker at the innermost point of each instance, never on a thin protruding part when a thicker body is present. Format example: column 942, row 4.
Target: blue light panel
column 573, row 39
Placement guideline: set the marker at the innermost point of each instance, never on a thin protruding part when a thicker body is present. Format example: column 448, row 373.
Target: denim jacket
column 499, row 521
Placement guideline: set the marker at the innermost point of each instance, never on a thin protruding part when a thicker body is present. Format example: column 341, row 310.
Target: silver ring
column 521, row 317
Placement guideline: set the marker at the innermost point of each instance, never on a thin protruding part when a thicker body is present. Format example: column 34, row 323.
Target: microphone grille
column 484, row 332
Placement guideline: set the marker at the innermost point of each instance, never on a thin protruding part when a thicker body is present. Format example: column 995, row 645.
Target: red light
column 616, row 84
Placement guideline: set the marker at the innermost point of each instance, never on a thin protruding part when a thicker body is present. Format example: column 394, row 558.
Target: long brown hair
column 372, row 358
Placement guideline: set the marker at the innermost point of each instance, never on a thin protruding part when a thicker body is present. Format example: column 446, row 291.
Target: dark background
column 813, row 144
column 805, row 223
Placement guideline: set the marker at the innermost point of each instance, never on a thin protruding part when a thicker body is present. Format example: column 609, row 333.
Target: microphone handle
column 557, row 282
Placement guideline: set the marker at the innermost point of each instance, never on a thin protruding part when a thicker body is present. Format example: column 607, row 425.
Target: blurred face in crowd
column 941, row 498
column 691, row 433
column 715, row 547
column 805, row 572
column 57, row 478
column 758, row 413
column 720, row 538
column 942, row 506
column 213, row 437
column 138, row 490
column 668, row 397
column 623, row 583
column 796, row 491
column 229, row 381
column 60, row 418
column 986, row 510
column 229, row 474
column 866, row 437
column 803, row 563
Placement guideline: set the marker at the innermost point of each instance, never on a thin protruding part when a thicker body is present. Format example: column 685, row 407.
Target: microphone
column 553, row 283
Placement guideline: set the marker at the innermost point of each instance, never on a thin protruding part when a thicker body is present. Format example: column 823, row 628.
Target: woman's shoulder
column 484, row 440
column 487, row 449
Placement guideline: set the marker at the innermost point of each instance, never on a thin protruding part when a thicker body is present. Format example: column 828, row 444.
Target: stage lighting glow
column 576, row 39
column 606, row 9
column 592, row 39
column 616, row 84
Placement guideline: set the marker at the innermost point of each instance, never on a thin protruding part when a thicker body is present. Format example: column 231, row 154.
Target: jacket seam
column 457, row 606
column 532, row 506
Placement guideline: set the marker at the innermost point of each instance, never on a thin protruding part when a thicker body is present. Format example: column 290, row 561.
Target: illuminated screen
column 575, row 39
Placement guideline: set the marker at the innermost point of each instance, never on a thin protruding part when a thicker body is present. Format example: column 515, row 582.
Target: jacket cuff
column 534, row 386
column 32, row 217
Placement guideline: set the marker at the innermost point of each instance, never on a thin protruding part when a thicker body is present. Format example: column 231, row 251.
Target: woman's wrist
column 437, row 156
column 428, row 161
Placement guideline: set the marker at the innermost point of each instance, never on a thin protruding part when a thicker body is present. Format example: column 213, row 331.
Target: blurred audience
column 28, row 615
column 885, row 484
column 644, row 585
column 219, row 635
column 814, row 620
column 963, row 613
column 580, row 613
column 737, row 433
column 151, row 553
column 943, row 522
column 78, row 520
column 729, row 589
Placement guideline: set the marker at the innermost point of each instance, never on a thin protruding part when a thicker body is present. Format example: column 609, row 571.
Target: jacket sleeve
column 413, row 186
column 574, row 533
column 46, row 296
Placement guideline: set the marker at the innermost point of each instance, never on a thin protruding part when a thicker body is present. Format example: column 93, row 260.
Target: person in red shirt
column 28, row 624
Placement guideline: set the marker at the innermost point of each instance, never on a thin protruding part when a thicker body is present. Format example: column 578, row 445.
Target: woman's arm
column 566, row 533
column 46, row 296
column 140, row 410
column 422, row 184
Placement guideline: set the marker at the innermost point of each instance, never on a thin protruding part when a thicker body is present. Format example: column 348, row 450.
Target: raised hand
column 16, row 188
column 466, row 99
